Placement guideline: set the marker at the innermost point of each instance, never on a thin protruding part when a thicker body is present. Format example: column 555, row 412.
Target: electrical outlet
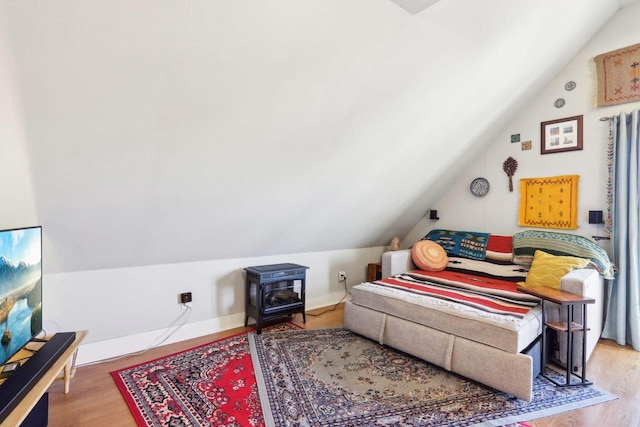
column 185, row 297
column 342, row 276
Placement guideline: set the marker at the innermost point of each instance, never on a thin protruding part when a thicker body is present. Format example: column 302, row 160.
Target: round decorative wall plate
column 479, row 187
column 559, row 103
column 571, row 85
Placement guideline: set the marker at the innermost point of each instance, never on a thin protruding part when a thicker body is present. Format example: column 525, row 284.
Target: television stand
column 61, row 357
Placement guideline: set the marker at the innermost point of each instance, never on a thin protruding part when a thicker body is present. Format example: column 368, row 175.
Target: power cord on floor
column 186, row 312
column 346, row 293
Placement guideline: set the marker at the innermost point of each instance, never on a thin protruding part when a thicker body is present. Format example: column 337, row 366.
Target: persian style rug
column 211, row 385
column 618, row 76
column 333, row 377
column 549, row 202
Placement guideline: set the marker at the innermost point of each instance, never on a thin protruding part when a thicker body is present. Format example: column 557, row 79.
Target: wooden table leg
column 69, row 371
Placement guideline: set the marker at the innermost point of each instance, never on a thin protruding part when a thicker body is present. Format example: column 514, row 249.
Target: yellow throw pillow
column 547, row 269
column 429, row 256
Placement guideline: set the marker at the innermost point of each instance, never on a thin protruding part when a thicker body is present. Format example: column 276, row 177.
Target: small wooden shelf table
column 570, row 301
column 374, row 271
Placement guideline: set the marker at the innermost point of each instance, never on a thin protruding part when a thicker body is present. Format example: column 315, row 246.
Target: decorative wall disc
column 559, row 103
column 479, row 187
column 571, row 85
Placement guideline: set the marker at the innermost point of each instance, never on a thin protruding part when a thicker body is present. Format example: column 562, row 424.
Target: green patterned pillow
column 527, row 242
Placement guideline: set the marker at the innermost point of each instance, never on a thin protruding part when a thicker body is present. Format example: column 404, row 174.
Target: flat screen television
column 20, row 288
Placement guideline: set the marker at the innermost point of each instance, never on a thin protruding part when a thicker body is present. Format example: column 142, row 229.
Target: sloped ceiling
column 166, row 131
column 414, row 6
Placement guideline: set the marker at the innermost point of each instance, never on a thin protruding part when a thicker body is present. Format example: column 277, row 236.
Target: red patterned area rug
column 333, row 377
column 211, row 385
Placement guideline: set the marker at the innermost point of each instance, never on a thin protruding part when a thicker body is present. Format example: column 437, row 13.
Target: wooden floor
column 94, row 399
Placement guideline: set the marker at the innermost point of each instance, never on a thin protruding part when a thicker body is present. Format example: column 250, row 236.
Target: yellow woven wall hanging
column 549, row 202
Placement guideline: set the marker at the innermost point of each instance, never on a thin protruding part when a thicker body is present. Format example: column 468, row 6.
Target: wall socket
column 342, row 276
column 185, row 297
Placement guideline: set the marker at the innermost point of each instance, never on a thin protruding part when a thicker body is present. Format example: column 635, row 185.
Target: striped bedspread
column 487, row 294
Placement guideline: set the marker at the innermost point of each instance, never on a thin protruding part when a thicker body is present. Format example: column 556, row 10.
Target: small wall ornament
column 510, row 166
column 479, row 187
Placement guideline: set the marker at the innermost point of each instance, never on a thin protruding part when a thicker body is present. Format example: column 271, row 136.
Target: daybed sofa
column 499, row 350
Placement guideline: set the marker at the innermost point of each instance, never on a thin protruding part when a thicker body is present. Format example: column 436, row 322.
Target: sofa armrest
column 584, row 281
column 396, row 262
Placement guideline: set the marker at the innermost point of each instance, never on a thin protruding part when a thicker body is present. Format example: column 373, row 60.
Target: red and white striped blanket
column 484, row 293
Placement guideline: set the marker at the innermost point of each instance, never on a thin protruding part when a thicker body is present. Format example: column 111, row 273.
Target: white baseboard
column 99, row 351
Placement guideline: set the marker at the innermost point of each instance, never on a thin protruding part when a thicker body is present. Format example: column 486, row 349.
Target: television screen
column 20, row 288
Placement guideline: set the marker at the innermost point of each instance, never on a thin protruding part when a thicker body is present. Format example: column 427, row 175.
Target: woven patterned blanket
column 490, row 295
column 526, row 242
column 466, row 244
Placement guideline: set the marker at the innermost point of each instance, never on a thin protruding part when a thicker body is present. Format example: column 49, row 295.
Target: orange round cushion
column 429, row 256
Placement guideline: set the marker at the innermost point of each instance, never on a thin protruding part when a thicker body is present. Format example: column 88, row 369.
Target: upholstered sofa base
column 508, row 372
column 585, row 282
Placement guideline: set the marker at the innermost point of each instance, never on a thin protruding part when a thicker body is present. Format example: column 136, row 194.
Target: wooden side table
column 570, row 301
column 374, row 271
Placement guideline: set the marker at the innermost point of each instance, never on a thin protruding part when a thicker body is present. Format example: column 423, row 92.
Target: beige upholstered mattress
column 503, row 332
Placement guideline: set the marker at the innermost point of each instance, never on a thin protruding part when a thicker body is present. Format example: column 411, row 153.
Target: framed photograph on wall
column 561, row 135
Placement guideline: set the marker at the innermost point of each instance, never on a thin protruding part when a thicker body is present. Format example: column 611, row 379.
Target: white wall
column 17, row 205
column 126, row 309
column 188, row 130
column 498, row 211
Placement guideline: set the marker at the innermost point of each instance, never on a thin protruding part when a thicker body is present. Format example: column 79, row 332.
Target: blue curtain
column 623, row 317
